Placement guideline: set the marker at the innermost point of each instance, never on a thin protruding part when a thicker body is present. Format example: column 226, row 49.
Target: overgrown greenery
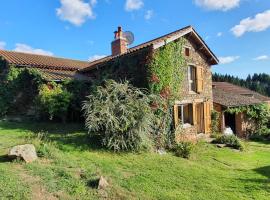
column 257, row 82
column 230, row 140
column 183, row 149
column 121, row 114
column 167, row 69
column 215, row 122
column 18, row 87
column 53, row 101
column 258, row 115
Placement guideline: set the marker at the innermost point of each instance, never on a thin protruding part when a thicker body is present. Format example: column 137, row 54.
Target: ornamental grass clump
column 121, row 115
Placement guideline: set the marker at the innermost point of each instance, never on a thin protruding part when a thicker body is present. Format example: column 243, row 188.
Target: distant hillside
column 258, row 82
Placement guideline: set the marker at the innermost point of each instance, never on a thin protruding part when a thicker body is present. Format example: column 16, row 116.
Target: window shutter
column 194, row 112
column 176, row 120
column 199, row 79
column 207, row 117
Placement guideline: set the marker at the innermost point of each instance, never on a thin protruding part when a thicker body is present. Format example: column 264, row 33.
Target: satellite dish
column 129, row 37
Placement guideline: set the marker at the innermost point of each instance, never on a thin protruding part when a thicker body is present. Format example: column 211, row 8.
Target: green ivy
column 167, row 70
column 259, row 114
column 18, row 87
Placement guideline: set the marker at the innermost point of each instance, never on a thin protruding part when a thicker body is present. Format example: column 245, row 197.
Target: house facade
column 193, row 107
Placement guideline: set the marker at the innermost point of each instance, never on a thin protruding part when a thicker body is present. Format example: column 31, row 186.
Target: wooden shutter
column 199, row 79
column 207, row 117
column 175, row 111
column 194, row 112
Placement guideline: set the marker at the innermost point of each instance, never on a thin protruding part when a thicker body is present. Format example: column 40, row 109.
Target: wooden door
column 200, row 117
column 207, row 117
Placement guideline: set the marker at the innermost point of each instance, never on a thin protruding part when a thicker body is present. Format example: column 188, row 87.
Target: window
column 187, row 51
column 192, row 78
column 185, row 114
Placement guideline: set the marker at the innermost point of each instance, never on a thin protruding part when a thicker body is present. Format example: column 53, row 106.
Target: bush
column 53, row 101
column 215, row 122
column 230, row 140
column 121, row 115
column 184, row 149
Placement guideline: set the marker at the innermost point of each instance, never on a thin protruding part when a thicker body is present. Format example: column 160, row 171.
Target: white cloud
column 149, row 14
column 96, row 57
column 259, row 23
column 2, row 45
column 27, row 49
column 76, row 11
column 223, row 5
column 263, row 57
column 228, row 59
column 219, row 34
column 133, row 5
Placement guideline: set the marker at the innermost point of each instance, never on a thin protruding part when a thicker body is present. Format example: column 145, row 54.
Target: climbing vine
column 167, row 70
column 259, row 114
column 18, row 87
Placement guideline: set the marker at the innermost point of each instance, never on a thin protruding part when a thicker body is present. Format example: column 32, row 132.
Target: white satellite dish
column 129, row 37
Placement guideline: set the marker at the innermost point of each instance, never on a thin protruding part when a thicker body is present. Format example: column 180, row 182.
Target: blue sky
column 238, row 31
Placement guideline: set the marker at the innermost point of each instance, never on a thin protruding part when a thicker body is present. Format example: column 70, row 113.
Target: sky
column 237, row 31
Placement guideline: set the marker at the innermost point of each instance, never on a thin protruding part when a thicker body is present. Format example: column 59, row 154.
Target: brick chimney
column 119, row 45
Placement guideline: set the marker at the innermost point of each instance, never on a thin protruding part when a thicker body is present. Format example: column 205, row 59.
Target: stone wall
column 197, row 59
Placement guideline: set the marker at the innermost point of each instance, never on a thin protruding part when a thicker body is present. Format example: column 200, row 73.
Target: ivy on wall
column 18, row 87
column 167, row 69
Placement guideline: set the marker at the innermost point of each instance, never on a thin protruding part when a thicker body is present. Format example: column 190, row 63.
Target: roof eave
column 214, row 60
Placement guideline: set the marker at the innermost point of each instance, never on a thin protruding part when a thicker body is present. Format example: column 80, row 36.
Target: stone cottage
column 192, row 109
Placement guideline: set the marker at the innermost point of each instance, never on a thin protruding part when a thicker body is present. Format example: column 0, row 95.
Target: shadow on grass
column 263, row 183
column 5, row 159
column 67, row 136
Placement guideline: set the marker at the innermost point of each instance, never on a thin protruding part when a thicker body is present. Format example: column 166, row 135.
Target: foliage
column 53, row 101
column 230, row 140
column 215, row 123
column 17, row 89
column 166, row 70
column 121, row 114
column 184, row 149
column 258, row 82
column 259, row 114
column 79, row 91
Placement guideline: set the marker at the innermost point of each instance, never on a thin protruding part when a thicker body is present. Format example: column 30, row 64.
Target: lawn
column 71, row 163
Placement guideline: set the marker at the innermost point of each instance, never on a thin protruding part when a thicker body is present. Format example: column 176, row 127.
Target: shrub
column 230, row 140
column 53, row 101
column 184, row 149
column 215, row 122
column 121, row 115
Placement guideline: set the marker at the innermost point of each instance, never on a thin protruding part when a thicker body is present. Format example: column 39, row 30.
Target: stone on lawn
column 26, row 152
column 102, row 183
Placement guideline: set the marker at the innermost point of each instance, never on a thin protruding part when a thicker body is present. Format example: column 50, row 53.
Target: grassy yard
column 72, row 162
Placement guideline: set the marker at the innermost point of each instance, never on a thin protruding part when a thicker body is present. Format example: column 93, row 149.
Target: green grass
column 73, row 162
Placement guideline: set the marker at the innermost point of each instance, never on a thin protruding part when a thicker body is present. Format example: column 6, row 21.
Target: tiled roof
column 230, row 95
column 173, row 36
column 40, row 61
column 59, row 75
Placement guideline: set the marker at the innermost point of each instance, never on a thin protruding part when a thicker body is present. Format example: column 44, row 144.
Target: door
column 200, row 117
